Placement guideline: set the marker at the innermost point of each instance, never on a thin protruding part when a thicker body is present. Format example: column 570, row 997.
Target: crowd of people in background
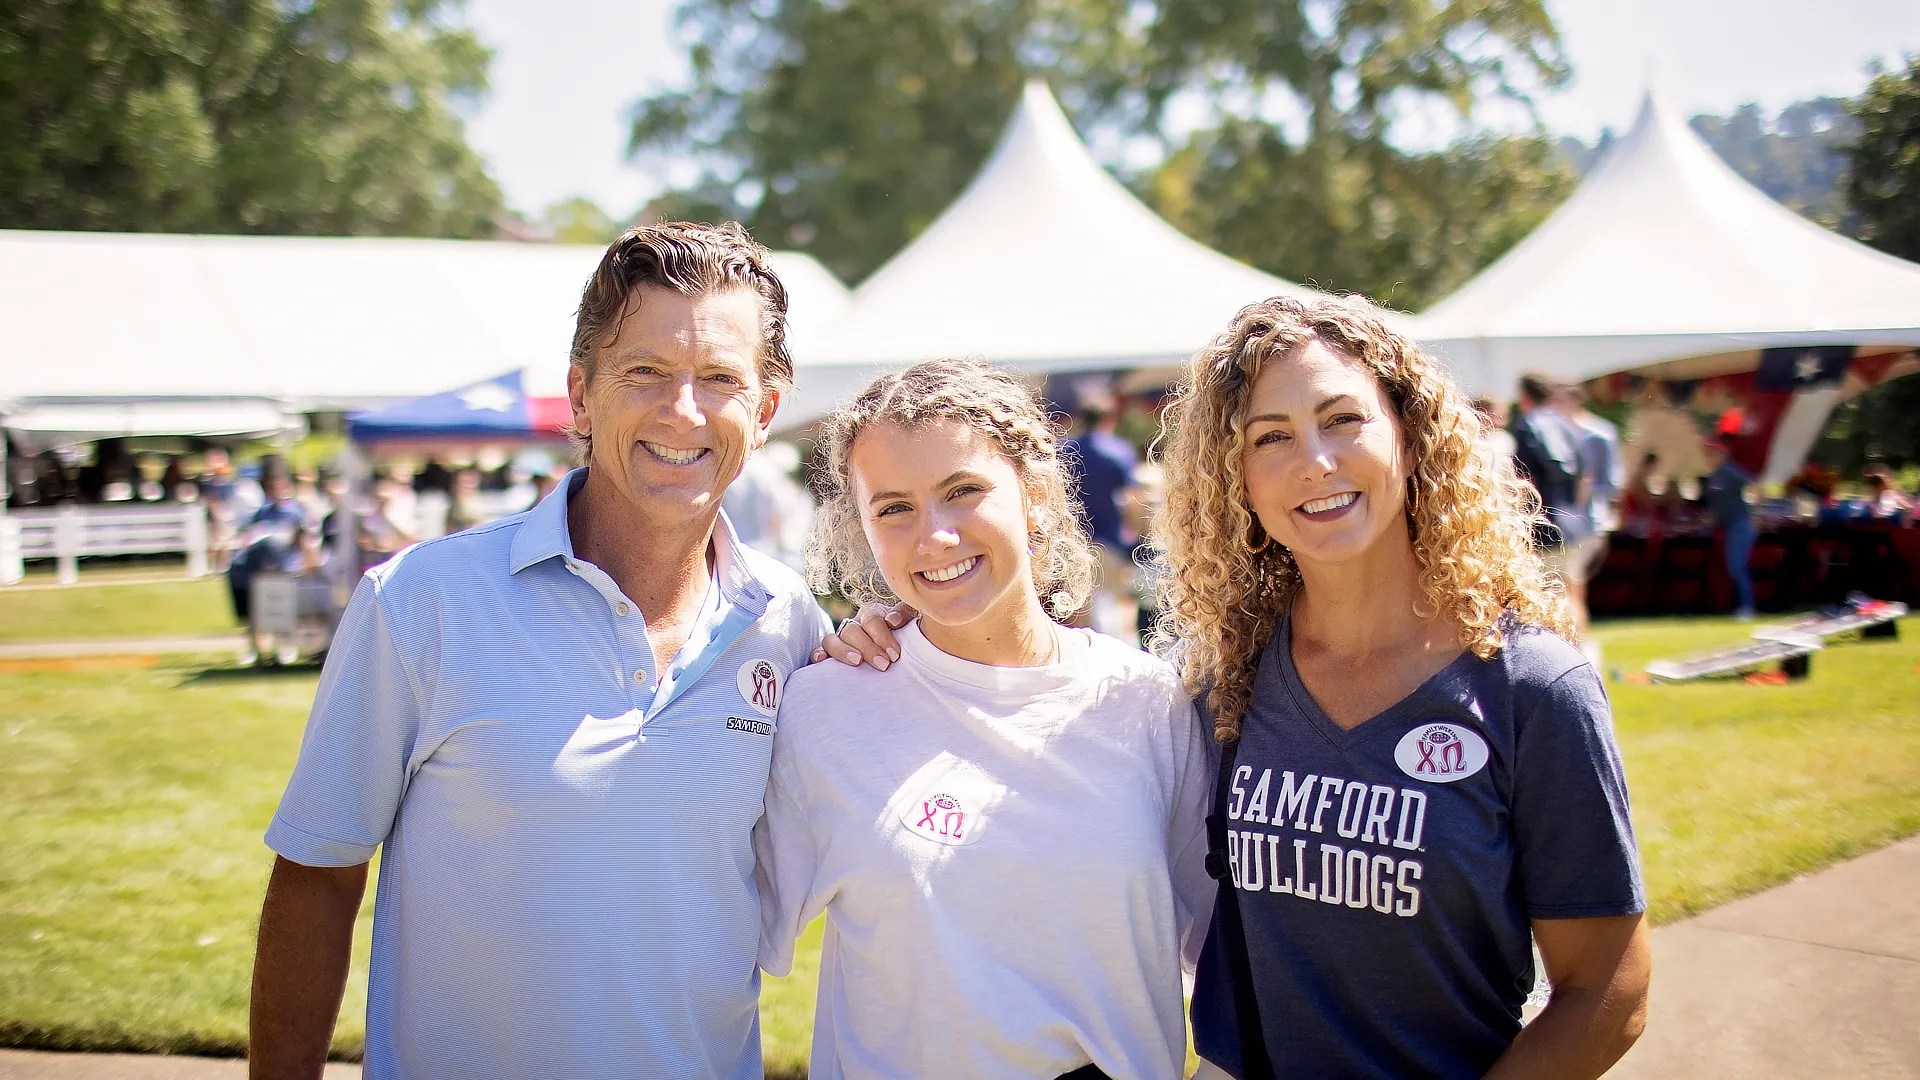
column 1593, row 481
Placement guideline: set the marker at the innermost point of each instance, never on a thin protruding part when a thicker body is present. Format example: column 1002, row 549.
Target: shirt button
column 640, row 676
column 621, row 608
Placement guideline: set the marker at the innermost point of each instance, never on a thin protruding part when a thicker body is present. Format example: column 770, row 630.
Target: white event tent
column 1046, row 264
column 1665, row 256
column 129, row 333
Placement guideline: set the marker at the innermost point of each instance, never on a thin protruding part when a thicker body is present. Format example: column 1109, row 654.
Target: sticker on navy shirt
column 760, row 684
column 1441, row 753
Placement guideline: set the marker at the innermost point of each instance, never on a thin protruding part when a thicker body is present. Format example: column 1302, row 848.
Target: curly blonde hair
column 1470, row 518
column 996, row 405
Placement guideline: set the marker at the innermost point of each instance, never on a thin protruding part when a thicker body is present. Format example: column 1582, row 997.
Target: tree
column 1405, row 229
column 846, row 126
column 1884, row 181
column 321, row 116
column 580, row 220
column 1798, row 158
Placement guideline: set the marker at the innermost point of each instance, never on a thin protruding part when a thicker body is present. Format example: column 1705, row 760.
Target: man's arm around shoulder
column 300, row 966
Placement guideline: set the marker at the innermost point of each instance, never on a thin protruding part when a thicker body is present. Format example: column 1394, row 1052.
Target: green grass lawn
column 1738, row 787
column 85, row 612
column 133, row 800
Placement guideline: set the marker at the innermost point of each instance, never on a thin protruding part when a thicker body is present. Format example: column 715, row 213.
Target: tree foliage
column 317, row 116
column 580, row 220
column 1884, row 180
column 846, row 126
column 1798, row 157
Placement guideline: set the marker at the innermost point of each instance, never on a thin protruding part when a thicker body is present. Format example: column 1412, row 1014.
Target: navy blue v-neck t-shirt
column 1388, row 874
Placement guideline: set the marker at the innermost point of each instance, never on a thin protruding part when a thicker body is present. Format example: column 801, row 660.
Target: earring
column 1265, row 540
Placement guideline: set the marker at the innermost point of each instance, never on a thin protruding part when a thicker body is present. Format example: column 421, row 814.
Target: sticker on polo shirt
column 1441, row 753
column 760, row 684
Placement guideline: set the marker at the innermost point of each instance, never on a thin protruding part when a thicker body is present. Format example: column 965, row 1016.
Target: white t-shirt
column 1010, row 859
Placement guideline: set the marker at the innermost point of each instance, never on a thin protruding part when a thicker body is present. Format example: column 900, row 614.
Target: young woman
column 1419, row 776
column 1005, row 830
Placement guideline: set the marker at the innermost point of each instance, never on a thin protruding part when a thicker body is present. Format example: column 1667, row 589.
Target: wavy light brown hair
column 996, row 405
column 1471, row 521
column 692, row 260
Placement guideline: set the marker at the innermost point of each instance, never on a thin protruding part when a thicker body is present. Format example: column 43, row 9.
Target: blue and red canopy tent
column 496, row 410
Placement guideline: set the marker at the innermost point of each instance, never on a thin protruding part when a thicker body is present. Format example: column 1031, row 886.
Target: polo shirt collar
column 543, row 535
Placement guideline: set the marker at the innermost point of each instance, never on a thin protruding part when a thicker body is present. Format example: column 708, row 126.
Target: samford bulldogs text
column 1376, row 822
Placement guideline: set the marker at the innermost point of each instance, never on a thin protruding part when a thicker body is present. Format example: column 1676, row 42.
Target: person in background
column 1602, row 476
column 1495, row 439
column 463, row 509
column 274, row 539
column 1642, row 513
column 1547, row 453
column 542, row 482
column 433, row 476
column 1885, row 500
column 770, row 511
column 1102, row 465
column 1725, row 494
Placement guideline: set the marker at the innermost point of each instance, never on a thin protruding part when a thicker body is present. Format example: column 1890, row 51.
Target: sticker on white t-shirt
column 942, row 817
column 760, row 684
column 1441, row 753
column 947, row 801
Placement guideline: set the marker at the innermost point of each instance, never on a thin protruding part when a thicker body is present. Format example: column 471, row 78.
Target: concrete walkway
column 56, row 650
column 1819, row 977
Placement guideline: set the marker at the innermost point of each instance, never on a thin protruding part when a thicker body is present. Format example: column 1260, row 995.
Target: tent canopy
column 310, row 322
column 1044, row 263
column 1664, row 254
column 496, row 409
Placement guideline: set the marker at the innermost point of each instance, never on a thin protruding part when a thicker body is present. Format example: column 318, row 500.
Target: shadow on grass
column 114, row 1039
column 227, row 673
column 110, row 1038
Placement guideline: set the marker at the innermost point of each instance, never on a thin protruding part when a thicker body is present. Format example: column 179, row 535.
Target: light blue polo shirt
column 566, row 886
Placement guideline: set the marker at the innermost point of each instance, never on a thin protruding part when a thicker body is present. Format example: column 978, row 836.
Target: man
column 558, row 727
column 1603, row 475
column 1547, row 453
column 1102, row 471
column 1726, row 499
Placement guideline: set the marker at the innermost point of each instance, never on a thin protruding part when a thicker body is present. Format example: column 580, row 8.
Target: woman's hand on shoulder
column 867, row 637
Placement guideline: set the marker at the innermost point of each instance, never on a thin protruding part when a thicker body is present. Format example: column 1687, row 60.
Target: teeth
column 950, row 572
column 1332, row 502
column 673, row 457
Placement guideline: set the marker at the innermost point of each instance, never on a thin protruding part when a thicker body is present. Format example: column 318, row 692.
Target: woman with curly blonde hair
column 1005, row 830
column 1418, row 774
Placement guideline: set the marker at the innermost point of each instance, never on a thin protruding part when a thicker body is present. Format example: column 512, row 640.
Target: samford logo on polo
column 759, row 684
column 1441, row 753
column 751, row 727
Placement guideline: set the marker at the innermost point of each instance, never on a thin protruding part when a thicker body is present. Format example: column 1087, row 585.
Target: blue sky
column 564, row 74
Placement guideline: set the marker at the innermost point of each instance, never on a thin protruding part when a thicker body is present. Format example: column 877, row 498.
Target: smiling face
column 947, row 516
column 1324, row 464
column 676, row 402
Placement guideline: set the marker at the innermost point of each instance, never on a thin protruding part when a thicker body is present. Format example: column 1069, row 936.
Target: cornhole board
column 1791, row 650
column 1863, row 615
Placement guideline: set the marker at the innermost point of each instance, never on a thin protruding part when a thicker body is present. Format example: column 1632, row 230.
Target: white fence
column 68, row 534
